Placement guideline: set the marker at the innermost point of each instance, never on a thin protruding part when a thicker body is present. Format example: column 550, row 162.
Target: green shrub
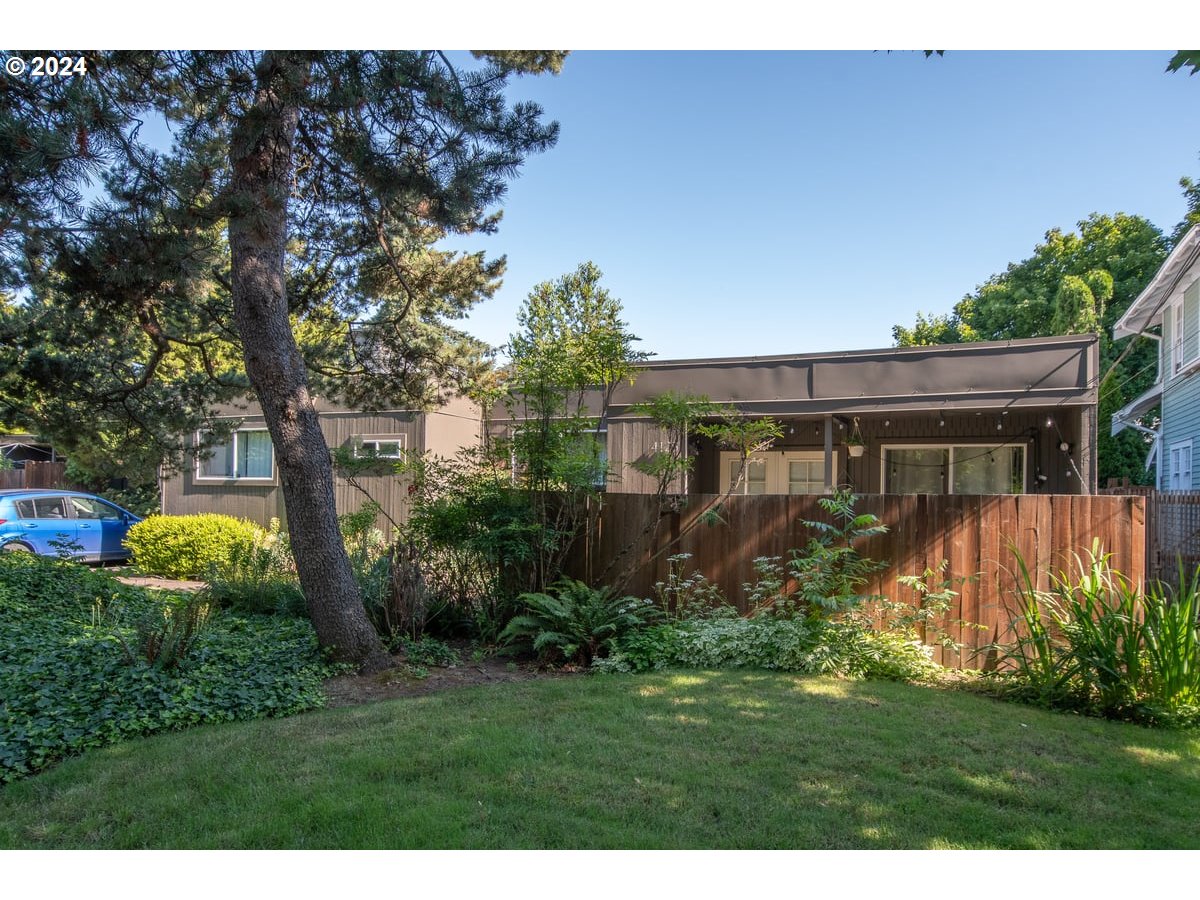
column 426, row 651
column 644, row 650
column 259, row 577
column 188, row 546
column 825, row 578
column 761, row 643
column 856, row 651
column 575, row 623
column 67, row 684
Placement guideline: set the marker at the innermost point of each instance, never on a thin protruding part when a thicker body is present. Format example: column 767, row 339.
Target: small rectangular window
column 379, row 447
column 806, row 476
column 915, row 470
column 754, row 477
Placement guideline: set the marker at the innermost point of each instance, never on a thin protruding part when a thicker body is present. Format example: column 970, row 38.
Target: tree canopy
column 1075, row 282
column 282, row 240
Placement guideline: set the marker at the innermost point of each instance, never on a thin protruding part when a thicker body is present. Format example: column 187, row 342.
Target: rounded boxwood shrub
column 189, row 546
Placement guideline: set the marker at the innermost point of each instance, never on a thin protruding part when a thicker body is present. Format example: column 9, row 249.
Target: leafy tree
column 933, row 329
column 1191, row 196
column 1185, row 59
column 572, row 352
column 296, row 182
column 1075, row 282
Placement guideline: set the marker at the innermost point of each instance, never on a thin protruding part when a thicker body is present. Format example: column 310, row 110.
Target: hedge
column 188, row 546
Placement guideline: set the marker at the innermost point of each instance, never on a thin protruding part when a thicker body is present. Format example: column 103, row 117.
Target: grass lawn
column 728, row 759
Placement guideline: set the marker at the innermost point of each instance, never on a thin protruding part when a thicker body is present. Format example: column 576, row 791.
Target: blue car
column 58, row 523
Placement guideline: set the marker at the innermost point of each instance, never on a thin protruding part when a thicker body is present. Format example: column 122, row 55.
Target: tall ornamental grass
column 1093, row 642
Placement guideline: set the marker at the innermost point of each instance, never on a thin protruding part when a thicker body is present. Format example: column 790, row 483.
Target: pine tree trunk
column 261, row 154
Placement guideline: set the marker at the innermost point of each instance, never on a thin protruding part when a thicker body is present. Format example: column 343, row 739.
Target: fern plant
column 575, row 623
column 164, row 636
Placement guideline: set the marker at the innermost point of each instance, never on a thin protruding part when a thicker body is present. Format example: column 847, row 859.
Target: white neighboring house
column 1170, row 301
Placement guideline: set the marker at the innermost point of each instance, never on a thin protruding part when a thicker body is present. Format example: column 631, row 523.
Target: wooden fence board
column 973, row 533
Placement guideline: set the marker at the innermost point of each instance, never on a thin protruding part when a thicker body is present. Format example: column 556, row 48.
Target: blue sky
column 752, row 203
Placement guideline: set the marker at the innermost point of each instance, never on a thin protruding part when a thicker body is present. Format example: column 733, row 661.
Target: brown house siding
column 183, row 494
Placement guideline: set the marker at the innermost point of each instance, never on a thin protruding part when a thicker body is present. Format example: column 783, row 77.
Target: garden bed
column 409, row 680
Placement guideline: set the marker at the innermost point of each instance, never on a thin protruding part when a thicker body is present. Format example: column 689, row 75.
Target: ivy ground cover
column 73, row 677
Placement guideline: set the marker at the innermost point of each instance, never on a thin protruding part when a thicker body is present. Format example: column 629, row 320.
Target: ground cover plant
column 86, row 661
column 665, row 760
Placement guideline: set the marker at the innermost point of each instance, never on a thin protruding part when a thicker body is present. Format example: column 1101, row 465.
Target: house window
column 246, row 453
column 805, row 475
column 583, row 449
column 1185, row 339
column 1177, row 349
column 754, row 478
column 987, row 470
column 1179, row 473
column 915, row 470
column 786, row 472
column 600, row 448
column 380, row 446
column 957, row 469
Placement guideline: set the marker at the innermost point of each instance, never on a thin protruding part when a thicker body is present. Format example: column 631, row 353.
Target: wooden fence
column 36, row 475
column 972, row 533
column 1172, row 531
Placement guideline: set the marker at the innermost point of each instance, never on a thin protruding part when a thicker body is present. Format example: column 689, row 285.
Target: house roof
column 1036, row 372
column 1146, row 309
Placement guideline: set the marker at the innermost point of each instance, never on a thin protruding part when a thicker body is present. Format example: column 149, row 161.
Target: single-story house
column 978, row 418
column 982, row 418
column 1170, row 303
column 239, row 477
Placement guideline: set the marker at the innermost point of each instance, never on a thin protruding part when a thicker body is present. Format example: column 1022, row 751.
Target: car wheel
column 16, row 548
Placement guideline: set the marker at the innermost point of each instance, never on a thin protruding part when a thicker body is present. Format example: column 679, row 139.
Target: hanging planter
column 855, row 445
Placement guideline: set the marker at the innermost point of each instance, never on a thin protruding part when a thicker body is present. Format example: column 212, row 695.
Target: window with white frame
column 775, row 472
column 376, row 446
column 1179, row 470
column 955, row 469
column 1184, row 316
column 1177, row 348
column 245, row 454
